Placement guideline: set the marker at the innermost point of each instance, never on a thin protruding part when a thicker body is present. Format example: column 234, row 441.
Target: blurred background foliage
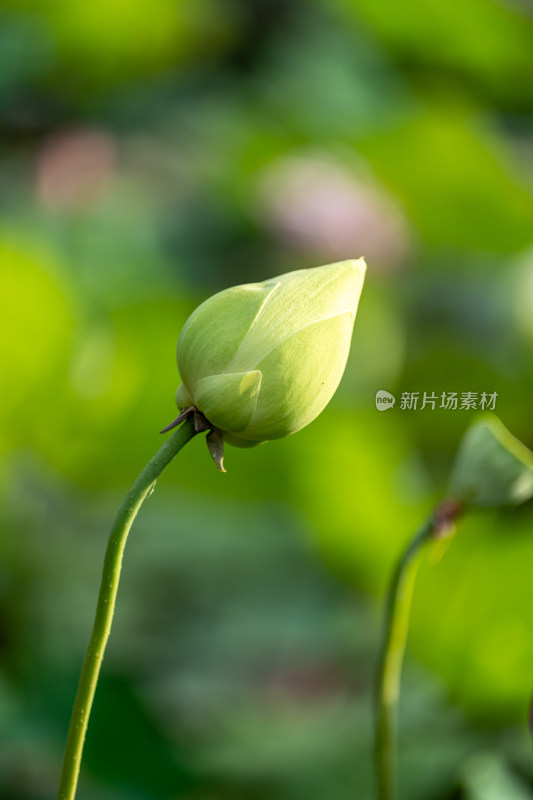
column 151, row 154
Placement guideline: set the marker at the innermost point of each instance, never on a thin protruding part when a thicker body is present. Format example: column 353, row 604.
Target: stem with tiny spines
column 79, row 720
column 397, row 614
column 441, row 524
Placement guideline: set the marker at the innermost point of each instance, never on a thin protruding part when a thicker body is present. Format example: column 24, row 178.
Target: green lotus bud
column 262, row 360
column 492, row 467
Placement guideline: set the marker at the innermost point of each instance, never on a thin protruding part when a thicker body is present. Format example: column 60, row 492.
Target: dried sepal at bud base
column 492, row 467
column 260, row 361
column 215, row 445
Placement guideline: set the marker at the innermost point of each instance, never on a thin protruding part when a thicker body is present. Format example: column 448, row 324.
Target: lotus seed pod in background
column 262, row 360
column 492, row 467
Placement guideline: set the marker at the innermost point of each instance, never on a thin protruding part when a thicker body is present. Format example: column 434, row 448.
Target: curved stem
column 397, row 615
column 79, row 720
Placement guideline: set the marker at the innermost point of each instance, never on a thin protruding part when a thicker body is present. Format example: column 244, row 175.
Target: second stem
column 397, row 613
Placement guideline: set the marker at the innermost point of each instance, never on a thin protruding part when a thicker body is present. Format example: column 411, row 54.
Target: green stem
column 397, row 614
column 79, row 720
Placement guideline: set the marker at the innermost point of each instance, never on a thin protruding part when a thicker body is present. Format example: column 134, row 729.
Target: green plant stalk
column 397, row 614
column 141, row 489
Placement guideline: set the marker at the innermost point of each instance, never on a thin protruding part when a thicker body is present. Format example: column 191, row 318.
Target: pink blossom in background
column 318, row 205
column 74, row 167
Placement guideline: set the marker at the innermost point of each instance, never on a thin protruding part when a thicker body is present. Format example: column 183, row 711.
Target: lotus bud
column 492, row 467
column 262, row 360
